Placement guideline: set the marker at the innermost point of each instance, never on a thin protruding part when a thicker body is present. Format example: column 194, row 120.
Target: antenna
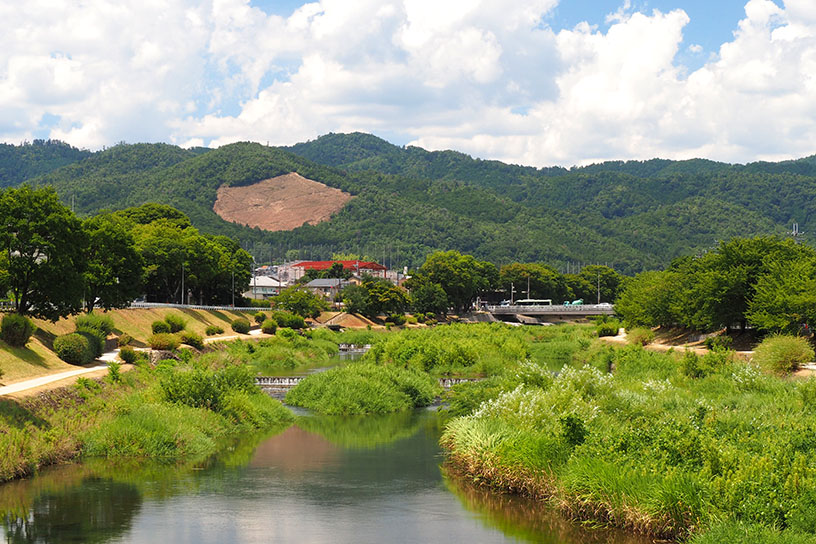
column 796, row 233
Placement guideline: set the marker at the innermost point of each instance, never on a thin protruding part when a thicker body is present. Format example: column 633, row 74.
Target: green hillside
column 632, row 215
column 21, row 162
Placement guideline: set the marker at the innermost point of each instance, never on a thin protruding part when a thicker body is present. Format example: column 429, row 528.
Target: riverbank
column 177, row 410
column 672, row 445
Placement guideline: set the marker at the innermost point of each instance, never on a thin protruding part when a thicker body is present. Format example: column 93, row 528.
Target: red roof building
column 355, row 267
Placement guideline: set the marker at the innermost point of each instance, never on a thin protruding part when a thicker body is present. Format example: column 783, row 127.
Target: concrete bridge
column 287, row 382
column 532, row 315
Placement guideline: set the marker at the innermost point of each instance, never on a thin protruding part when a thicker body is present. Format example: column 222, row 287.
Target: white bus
column 533, row 302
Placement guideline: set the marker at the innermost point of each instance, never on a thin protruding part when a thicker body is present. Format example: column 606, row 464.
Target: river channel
column 325, row 479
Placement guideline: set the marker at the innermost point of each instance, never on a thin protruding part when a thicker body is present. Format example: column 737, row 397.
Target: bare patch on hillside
column 281, row 203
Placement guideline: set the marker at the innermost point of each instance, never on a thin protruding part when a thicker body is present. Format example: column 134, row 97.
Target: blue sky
column 531, row 84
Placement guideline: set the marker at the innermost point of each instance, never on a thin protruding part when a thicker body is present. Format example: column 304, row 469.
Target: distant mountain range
column 632, row 215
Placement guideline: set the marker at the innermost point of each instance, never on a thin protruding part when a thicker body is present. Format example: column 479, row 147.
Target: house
column 327, row 287
column 261, row 287
column 357, row 268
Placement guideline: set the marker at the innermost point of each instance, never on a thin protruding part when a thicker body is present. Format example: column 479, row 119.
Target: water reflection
column 96, row 510
column 527, row 519
column 374, row 479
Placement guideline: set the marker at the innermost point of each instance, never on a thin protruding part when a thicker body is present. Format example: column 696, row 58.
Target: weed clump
column 164, row 341
column 783, row 354
column 640, row 336
column 363, row 389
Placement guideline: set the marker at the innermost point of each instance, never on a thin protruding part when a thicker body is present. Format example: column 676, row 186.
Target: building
column 261, row 287
column 327, row 287
column 358, row 268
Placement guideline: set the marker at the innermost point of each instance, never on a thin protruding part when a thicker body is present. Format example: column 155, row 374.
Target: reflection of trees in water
column 363, row 432
column 527, row 519
column 94, row 511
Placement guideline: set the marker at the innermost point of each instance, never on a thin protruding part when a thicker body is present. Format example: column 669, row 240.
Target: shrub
column 159, row 327
column 286, row 332
column 640, row 336
column 269, row 326
column 204, row 388
column 783, row 354
column 128, row 355
column 397, row 319
column 718, row 343
column 164, row 341
column 175, row 322
column 213, row 329
column 73, row 348
column 259, row 317
column 114, row 372
column 124, row 339
column 191, row 339
column 240, row 325
column 96, row 339
column 101, row 322
column 16, row 329
column 608, row 328
column 289, row 320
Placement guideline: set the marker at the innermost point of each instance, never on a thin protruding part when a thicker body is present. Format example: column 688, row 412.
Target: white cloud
column 471, row 75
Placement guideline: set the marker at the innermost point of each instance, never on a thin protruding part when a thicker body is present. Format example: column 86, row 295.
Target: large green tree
column 113, row 277
column 462, row 277
column 43, row 244
column 301, row 302
column 785, row 297
column 543, row 281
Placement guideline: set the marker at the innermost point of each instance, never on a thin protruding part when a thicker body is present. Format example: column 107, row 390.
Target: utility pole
column 512, row 291
column 233, row 288
column 182, row 283
column 599, row 287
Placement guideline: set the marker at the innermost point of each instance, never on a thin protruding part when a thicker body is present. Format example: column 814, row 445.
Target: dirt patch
column 281, row 203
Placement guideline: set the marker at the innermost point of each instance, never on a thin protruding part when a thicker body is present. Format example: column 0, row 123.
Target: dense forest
column 632, row 216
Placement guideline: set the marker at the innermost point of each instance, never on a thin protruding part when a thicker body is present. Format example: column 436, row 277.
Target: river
column 326, row 479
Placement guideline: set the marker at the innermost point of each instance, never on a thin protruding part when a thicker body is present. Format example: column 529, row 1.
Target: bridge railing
column 552, row 309
column 194, row 306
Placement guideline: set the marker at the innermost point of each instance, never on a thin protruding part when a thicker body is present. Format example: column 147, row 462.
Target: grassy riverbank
column 176, row 410
column 666, row 444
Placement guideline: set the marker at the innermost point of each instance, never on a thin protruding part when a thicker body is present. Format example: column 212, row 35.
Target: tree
column 301, row 302
column 785, row 297
column 113, row 277
column 355, row 299
column 427, row 296
column 544, row 281
column 42, row 243
column 600, row 278
column 462, row 277
column 649, row 299
column 384, row 297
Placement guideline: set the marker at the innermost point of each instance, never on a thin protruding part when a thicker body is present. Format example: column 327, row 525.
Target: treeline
column 53, row 264
column 767, row 283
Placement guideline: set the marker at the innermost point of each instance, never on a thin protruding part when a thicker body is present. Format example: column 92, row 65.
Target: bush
column 96, row 339
column 718, row 343
column 213, row 330
column 16, row 329
column 640, row 336
column 240, row 325
column 608, row 328
column 124, row 340
column 204, row 388
column 101, row 322
column 269, row 326
column 164, row 341
column 114, row 372
column 191, row 339
column 128, row 355
column 259, row 317
column 288, row 320
column 175, row 322
column 159, row 327
column 73, row 348
column 286, row 332
column 397, row 319
column 783, row 354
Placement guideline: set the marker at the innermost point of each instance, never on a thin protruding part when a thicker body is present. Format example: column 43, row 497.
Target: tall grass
column 667, row 444
column 783, row 354
column 363, row 389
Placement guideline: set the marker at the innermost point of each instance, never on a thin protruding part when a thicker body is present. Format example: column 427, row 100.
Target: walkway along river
column 326, row 479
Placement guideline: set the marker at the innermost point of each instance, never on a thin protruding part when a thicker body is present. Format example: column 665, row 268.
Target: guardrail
column 552, row 309
column 196, row 306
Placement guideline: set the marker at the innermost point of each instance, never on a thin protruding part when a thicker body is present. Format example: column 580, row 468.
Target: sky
column 534, row 82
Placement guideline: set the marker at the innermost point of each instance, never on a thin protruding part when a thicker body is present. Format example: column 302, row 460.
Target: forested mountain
column 407, row 201
column 21, row 162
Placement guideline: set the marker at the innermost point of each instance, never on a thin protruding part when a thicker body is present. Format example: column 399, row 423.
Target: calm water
column 372, row 479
